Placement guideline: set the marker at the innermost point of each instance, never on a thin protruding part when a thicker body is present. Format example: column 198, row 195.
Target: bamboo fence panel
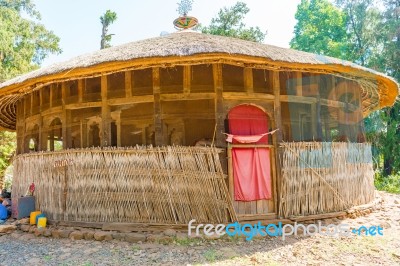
column 170, row 185
column 324, row 177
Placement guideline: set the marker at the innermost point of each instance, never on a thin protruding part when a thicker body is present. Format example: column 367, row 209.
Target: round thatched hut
column 193, row 126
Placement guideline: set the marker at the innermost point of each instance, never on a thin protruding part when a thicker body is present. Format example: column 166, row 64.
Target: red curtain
column 251, row 166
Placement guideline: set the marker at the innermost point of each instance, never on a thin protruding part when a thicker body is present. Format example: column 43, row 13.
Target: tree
column 363, row 28
column 229, row 22
column 7, row 149
column 320, row 28
column 24, row 43
column 106, row 20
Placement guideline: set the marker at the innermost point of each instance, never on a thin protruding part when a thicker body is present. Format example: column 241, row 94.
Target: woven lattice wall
column 324, row 177
column 170, row 185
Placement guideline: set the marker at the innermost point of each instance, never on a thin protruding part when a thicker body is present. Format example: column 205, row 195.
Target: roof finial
column 184, row 21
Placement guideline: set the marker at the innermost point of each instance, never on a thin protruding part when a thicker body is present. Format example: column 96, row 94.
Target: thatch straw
column 194, row 48
column 324, row 177
column 169, row 185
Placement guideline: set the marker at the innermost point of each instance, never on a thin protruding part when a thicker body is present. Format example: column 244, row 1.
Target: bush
column 389, row 183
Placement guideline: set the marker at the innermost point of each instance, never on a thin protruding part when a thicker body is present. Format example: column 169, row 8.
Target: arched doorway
column 250, row 167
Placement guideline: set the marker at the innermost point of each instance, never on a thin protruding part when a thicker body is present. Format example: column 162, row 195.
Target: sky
column 77, row 23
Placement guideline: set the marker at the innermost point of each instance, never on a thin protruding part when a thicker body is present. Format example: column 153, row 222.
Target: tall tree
column 106, row 20
column 320, row 28
column 7, row 149
column 363, row 28
column 24, row 42
column 229, row 22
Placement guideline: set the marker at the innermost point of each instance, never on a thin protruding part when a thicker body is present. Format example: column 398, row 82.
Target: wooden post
column 248, row 80
column 80, row 90
column 51, row 95
column 128, row 84
column 219, row 106
column 299, row 83
column 105, row 115
column 64, row 115
column 317, row 80
column 186, row 79
column 158, row 125
column 277, row 105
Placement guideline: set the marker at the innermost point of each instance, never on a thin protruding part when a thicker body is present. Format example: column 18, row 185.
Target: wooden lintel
column 191, row 96
column 83, row 105
column 248, row 96
column 132, row 100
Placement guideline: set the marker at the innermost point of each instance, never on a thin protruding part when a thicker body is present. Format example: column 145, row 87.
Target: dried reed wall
column 169, row 185
column 324, row 177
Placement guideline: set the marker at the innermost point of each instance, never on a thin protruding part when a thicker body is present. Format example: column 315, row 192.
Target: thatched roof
column 189, row 47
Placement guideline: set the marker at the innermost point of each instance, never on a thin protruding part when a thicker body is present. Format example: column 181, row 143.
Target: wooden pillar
column 128, row 84
column 248, row 80
column 219, row 106
column 105, row 115
column 299, row 83
column 80, row 90
column 31, row 96
column 317, row 81
column 158, row 125
column 186, row 79
column 64, row 116
column 51, row 95
column 277, row 105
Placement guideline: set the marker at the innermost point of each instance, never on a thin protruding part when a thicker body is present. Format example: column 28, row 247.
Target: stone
column 385, row 225
column 55, row 233
column 38, row 231
column 118, row 236
column 154, row 238
column 24, row 221
column 100, row 236
column 25, row 228
column 76, row 235
column 34, row 261
column 88, row 235
column 135, row 237
column 65, row 233
column 8, row 228
column 165, row 240
column 170, row 232
column 396, row 202
column 47, row 232
column 212, row 236
column 32, row 229
column 181, row 236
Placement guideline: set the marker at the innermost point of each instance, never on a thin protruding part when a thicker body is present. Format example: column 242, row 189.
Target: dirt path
column 25, row 249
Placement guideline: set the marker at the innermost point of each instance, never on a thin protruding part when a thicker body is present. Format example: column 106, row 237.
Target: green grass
column 210, row 255
column 390, row 183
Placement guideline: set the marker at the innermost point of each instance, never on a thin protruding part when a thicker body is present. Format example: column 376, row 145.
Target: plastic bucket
column 32, row 217
column 42, row 221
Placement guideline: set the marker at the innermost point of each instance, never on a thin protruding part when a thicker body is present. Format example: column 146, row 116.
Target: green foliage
column 24, row 43
column 320, row 28
column 389, row 183
column 106, row 20
column 229, row 22
column 7, row 149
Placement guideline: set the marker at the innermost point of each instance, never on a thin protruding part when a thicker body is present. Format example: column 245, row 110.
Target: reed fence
column 168, row 185
column 324, row 177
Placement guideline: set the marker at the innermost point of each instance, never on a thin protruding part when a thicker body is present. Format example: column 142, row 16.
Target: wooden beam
column 105, row 115
column 186, row 79
column 249, row 96
column 158, row 124
column 128, row 84
column 248, row 79
column 51, row 87
column 192, row 96
column 74, row 106
column 131, row 100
